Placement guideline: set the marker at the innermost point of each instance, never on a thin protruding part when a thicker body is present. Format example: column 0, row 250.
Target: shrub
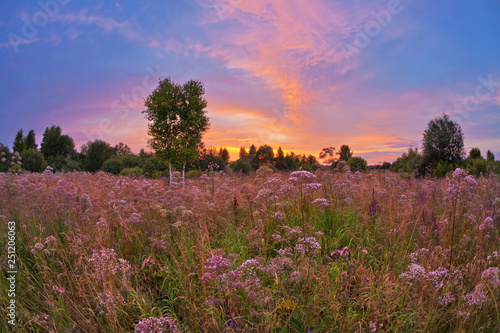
column 194, row 174
column 134, row 172
column 33, row 160
column 242, row 165
column 114, row 165
column 154, row 167
column 357, row 163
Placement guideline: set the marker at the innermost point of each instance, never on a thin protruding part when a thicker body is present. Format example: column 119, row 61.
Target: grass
column 234, row 253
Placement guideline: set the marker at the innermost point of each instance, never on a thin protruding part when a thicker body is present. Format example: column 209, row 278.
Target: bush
column 61, row 163
column 33, row 160
column 242, row 165
column 132, row 172
column 194, row 174
column 114, row 165
column 154, row 168
column 357, row 163
column 131, row 161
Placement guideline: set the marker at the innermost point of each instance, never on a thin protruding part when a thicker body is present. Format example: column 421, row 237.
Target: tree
column 224, row 154
column 252, row 151
column 327, row 154
column 345, row 153
column 265, row 155
column 122, row 149
column 490, row 157
column 19, row 143
column 357, row 163
column 443, row 144
column 55, row 144
column 33, row 160
column 279, row 160
column 475, row 153
column 243, row 152
column 193, row 122
column 177, row 119
column 96, row 153
column 30, row 140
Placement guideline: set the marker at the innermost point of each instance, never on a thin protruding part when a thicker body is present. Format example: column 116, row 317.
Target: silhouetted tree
column 19, row 143
column 265, row 155
column 490, row 156
column 345, row 153
column 96, row 153
column 279, row 160
column 327, row 154
column 55, row 144
column 475, row 153
column 243, row 152
column 30, row 140
column 122, row 149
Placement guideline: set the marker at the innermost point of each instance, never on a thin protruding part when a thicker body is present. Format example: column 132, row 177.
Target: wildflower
column 470, row 180
column 39, row 246
column 279, row 216
column 277, row 237
column 478, row 297
column 278, row 265
column 105, row 262
column 58, row 290
column 414, row 272
column 285, row 251
column 459, row 174
column 134, row 218
column 156, row 325
column 307, row 245
column 294, row 277
column 490, row 276
column 85, row 200
column 302, row 175
column 109, row 302
column 3, row 159
column 51, row 240
column 321, row 202
column 487, row 224
column 291, row 232
column 446, row 298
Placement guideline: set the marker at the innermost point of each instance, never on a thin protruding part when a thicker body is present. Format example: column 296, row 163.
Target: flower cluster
column 109, row 302
column 105, row 262
column 307, row 246
column 321, row 202
column 163, row 324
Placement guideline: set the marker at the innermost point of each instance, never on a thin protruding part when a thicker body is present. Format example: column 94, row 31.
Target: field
column 268, row 252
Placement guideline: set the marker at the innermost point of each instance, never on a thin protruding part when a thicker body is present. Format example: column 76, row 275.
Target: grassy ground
column 270, row 252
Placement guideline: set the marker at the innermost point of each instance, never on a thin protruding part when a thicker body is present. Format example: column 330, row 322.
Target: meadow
column 266, row 252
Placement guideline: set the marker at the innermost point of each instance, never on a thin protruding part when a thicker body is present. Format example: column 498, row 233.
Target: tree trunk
column 183, row 171
column 169, row 172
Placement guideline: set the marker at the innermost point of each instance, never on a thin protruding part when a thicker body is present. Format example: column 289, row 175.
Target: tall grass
column 269, row 252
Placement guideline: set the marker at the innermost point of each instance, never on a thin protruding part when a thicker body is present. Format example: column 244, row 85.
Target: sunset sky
column 302, row 75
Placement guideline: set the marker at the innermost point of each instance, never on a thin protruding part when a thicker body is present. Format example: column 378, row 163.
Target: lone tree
column 475, row 153
column 327, row 154
column 345, row 153
column 177, row 120
column 490, row 157
column 443, row 143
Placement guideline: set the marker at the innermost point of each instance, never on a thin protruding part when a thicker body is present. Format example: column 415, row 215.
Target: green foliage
column 345, row 153
column 357, row 164
column 131, row 172
column 4, row 157
column 30, row 140
column 95, row 154
column 443, row 142
column 242, row 165
column 194, row 174
column 113, row 165
column 409, row 162
column 55, row 144
column 33, row 160
column 490, row 157
column 122, row 149
column 19, row 144
column 61, row 163
column 155, row 167
column 177, row 120
column 475, row 153
column 279, row 160
column 478, row 166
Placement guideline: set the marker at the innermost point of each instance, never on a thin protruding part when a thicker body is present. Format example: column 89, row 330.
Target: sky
column 298, row 74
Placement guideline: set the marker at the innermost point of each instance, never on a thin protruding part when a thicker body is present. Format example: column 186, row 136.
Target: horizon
column 299, row 76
